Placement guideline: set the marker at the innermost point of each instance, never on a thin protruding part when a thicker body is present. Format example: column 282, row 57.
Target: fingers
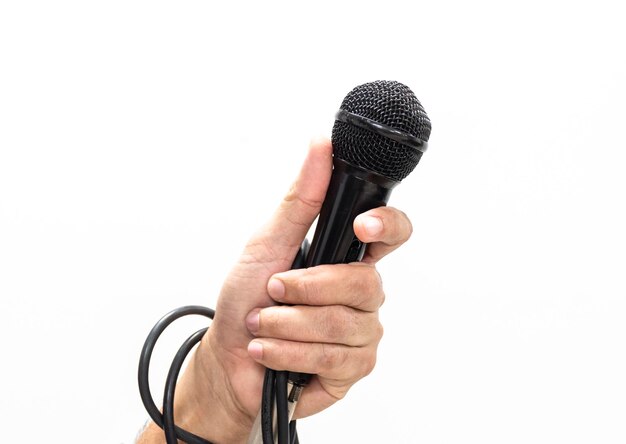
column 384, row 229
column 335, row 324
column 328, row 361
column 281, row 237
column 355, row 285
column 332, row 330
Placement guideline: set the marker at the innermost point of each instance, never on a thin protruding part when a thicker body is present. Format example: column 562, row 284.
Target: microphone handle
column 351, row 191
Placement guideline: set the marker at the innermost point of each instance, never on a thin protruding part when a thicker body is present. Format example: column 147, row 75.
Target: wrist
column 204, row 403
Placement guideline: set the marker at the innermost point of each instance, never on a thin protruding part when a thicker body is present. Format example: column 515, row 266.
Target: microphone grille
column 389, row 103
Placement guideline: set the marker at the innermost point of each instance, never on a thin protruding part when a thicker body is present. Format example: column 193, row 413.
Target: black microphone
column 379, row 136
column 381, row 131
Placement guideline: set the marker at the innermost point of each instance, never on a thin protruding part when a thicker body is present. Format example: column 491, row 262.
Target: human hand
column 329, row 329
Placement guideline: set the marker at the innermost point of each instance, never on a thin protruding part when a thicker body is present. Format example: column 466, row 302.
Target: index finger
column 385, row 229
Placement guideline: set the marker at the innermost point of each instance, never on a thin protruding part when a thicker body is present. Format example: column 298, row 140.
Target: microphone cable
column 274, row 387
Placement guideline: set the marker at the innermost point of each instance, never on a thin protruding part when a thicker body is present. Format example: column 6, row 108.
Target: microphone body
column 352, row 190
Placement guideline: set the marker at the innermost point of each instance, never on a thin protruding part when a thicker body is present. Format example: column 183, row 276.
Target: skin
column 330, row 328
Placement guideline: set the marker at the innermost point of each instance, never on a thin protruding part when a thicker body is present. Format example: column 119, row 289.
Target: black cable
column 170, row 385
column 293, row 432
column 144, row 367
column 267, row 406
column 274, row 387
column 282, row 407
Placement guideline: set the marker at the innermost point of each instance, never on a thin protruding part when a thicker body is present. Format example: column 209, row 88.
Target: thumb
column 280, row 238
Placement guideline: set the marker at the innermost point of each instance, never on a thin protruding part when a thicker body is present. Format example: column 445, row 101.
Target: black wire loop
column 274, row 387
column 172, row 431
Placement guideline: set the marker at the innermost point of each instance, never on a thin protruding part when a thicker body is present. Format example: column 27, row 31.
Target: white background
column 141, row 143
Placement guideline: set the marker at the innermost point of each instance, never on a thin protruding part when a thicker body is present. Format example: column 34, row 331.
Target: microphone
column 380, row 133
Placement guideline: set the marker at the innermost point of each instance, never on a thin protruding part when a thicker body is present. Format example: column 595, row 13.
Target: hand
column 330, row 329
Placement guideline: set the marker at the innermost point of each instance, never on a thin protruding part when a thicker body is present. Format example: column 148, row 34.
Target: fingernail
column 252, row 321
column 276, row 289
column 372, row 225
column 255, row 350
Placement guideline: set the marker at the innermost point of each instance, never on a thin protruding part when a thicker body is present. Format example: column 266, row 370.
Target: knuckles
column 368, row 364
column 333, row 357
column 379, row 332
column 345, row 325
column 352, row 363
column 368, row 286
column 340, row 324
